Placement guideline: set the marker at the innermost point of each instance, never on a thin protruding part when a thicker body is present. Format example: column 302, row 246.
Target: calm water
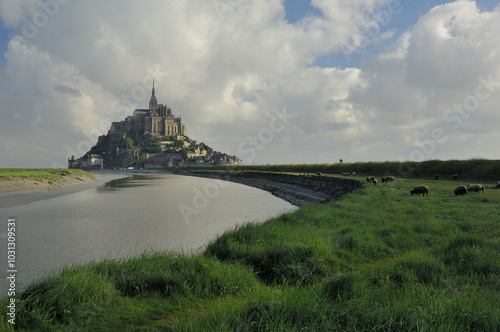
column 128, row 217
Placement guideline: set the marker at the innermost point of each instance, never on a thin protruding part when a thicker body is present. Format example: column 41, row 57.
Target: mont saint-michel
column 150, row 138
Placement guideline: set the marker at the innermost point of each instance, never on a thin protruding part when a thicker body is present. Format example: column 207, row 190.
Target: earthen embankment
column 295, row 189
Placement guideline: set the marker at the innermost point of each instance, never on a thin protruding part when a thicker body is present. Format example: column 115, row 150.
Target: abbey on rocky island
column 157, row 120
column 149, row 138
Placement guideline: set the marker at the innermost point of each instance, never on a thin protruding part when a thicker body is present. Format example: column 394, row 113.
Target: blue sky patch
column 4, row 40
column 295, row 10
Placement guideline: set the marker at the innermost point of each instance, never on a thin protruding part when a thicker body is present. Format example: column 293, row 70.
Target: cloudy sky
column 271, row 81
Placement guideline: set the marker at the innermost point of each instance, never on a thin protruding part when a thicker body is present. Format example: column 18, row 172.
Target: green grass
column 118, row 295
column 378, row 259
column 43, row 174
column 479, row 169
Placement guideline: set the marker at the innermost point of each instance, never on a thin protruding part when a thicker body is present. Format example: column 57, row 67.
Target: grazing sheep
column 476, row 188
column 374, row 181
column 420, row 190
column 460, row 190
column 498, row 185
column 388, row 178
column 353, row 173
column 318, row 174
column 369, row 179
column 436, row 177
column 454, row 176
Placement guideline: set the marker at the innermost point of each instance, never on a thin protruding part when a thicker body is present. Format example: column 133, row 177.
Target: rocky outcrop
column 295, row 189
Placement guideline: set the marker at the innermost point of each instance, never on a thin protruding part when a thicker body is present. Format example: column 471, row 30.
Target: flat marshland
column 15, row 179
column 377, row 259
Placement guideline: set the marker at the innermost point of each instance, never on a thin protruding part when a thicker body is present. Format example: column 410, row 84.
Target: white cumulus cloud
column 229, row 67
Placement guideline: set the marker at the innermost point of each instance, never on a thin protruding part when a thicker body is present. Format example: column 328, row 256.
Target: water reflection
column 133, row 181
column 139, row 213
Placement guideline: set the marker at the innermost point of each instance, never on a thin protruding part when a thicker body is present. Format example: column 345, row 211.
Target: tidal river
column 127, row 217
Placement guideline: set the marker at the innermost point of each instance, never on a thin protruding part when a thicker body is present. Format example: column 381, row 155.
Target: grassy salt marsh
column 378, row 259
column 14, row 179
column 41, row 174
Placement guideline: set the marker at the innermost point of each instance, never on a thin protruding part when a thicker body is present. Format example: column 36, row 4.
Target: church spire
column 153, row 102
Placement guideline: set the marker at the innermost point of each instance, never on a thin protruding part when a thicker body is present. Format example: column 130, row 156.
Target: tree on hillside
column 184, row 153
column 179, row 144
column 127, row 141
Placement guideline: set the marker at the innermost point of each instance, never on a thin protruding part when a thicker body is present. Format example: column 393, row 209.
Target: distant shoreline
column 298, row 190
column 29, row 192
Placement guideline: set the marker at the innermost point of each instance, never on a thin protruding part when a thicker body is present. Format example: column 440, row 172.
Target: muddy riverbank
column 295, row 189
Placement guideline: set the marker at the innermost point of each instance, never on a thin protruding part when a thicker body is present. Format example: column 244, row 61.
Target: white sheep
column 475, row 188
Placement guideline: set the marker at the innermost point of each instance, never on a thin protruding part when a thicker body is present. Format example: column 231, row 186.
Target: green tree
column 179, row 144
column 127, row 141
column 184, row 153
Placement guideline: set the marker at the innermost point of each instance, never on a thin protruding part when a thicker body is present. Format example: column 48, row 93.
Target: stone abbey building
column 149, row 138
column 157, row 120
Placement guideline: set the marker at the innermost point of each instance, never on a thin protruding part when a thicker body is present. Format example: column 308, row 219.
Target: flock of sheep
column 421, row 189
column 384, row 179
column 424, row 190
column 459, row 190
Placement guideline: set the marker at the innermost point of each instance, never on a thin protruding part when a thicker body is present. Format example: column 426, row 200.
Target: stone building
column 149, row 138
column 157, row 120
column 89, row 161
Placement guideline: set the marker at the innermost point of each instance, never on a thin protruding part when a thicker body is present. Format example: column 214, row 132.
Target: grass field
column 378, row 259
column 477, row 169
column 41, row 174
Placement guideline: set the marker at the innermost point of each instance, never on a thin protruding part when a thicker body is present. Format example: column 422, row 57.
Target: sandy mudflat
column 22, row 192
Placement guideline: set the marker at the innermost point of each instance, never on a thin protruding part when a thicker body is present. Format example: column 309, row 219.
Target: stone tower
column 153, row 102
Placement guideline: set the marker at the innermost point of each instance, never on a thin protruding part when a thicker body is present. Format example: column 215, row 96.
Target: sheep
column 475, row 188
column 420, row 190
column 319, row 174
column 498, row 185
column 353, row 173
column 388, row 178
column 454, row 176
column 460, row 190
column 369, row 179
column 374, row 181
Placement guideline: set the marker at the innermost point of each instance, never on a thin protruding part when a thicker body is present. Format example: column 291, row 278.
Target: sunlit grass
column 43, row 174
column 378, row 259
